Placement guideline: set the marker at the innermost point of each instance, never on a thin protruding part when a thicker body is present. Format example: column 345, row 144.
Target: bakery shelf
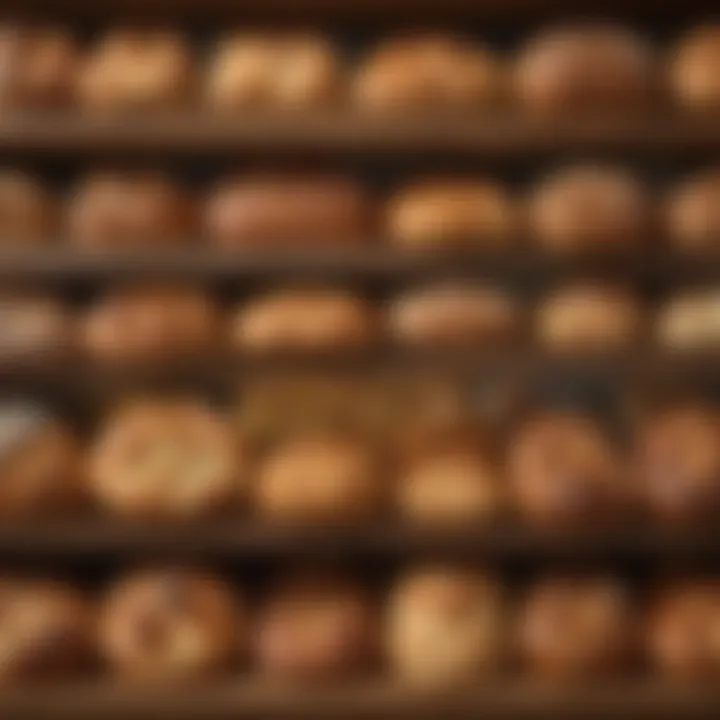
column 61, row 263
column 246, row 538
column 497, row 136
column 372, row 9
column 247, row 699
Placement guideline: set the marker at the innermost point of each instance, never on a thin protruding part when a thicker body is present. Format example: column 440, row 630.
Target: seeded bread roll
column 137, row 69
column 589, row 317
column 47, row 630
column 316, row 627
column 38, row 67
column 261, row 211
column 692, row 74
column 115, row 211
column 599, row 68
column 683, row 631
column 574, row 628
column 318, row 478
column 690, row 321
column 173, row 458
column 41, row 464
column 281, row 71
column 453, row 314
column 437, row 214
column 678, row 463
column 432, row 72
column 34, row 326
column 304, row 320
column 27, row 212
column 588, row 208
column 693, row 213
column 563, row 469
column 444, row 626
column 150, row 323
column 171, row 625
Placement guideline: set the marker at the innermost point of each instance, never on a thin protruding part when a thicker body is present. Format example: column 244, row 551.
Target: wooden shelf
column 248, row 699
column 372, row 9
column 375, row 260
column 246, row 538
column 490, row 136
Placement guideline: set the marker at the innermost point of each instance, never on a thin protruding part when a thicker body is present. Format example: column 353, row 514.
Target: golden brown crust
column 137, row 69
column 318, row 478
column 583, row 69
column 692, row 213
column 170, row 625
column 692, row 73
column 690, row 321
column 282, row 71
column 678, row 463
column 574, row 628
column 437, row 214
column 589, row 317
column 453, row 314
column 292, row 211
column 28, row 213
column 683, row 630
column 47, row 630
column 444, row 626
column 563, row 469
column 38, row 66
column 316, row 626
column 148, row 323
column 115, row 211
column 303, row 320
column 166, row 458
column 588, row 208
column 427, row 71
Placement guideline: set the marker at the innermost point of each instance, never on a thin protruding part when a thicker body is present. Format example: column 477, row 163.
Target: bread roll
column 589, row 317
column 693, row 213
column 38, row 67
column 692, row 74
column 41, row 464
column 574, row 628
column 690, row 321
column 316, row 626
column 449, row 480
column 282, row 71
column 150, row 323
column 432, row 72
column 27, row 212
column 173, row 458
column 170, row 625
column 444, row 626
column 33, row 326
column 137, row 69
column 598, row 68
column 678, row 463
column 116, row 211
column 683, row 631
column 306, row 320
column 257, row 212
column 46, row 630
column 453, row 314
column 435, row 214
column 318, row 478
column 588, row 208
column 563, row 469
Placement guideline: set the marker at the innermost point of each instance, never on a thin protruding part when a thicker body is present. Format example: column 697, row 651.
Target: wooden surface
column 495, row 136
column 248, row 699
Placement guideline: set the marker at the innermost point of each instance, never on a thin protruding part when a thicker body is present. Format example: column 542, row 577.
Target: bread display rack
column 190, row 138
